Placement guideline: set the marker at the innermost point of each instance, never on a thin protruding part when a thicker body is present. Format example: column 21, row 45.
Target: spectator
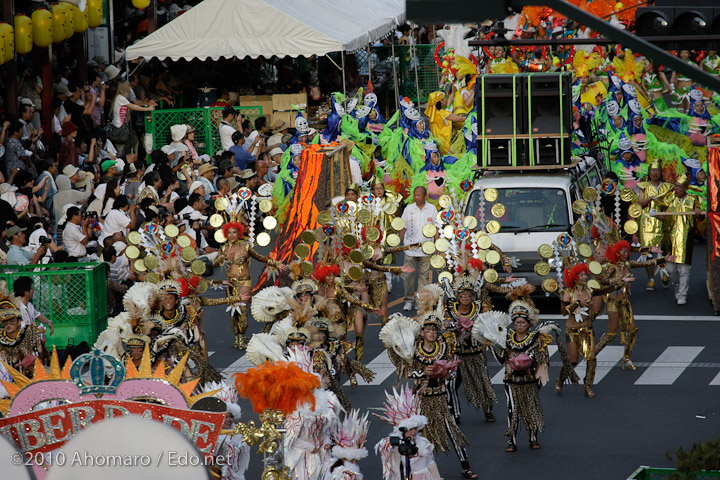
column 261, row 167
column 132, row 187
column 48, row 169
column 193, row 218
column 66, row 194
column 227, row 127
column 121, row 104
column 30, row 135
column 40, row 236
column 68, row 149
column 77, row 234
column 75, row 110
column 104, row 199
column 24, row 291
column 275, row 158
column 415, row 216
column 280, row 128
column 30, row 86
column 189, row 141
column 16, row 157
column 223, row 99
column 16, row 254
column 115, row 289
column 206, row 176
column 261, row 129
column 242, row 158
column 223, row 187
column 152, row 183
column 120, row 219
column 96, row 101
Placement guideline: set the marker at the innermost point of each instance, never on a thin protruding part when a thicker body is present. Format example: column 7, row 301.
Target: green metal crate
column 72, row 295
column 205, row 121
column 649, row 473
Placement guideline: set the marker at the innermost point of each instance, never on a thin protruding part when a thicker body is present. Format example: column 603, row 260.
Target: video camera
column 406, row 445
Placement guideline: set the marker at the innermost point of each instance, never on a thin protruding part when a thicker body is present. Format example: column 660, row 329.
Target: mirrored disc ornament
column 367, row 251
column 635, row 210
column 429, row 230
column 445, row 275
column 349, row 241
column 356, row 256
column 198, row 267
column 493, row 226
column 550, row 285
column 498, row 210
column 307, row 268
column 397, row 224
column 324, row 218
column 263, row 239
column 134, row 238
column 364, row 216
column 491, row 194
column 188, row 254
column 355, row 273
column 302, row 250
column 216, row 220
column 578, row 230
column 492, row 257
column 152, row 277
column 542, row 268
column 448, row 232
column 545, row 251
column 140, row 265
column 589, row 194
column 442, row 245
column 221, row 204
column 308, row 237
column 628, row 195
column 482, row 255
column 151, row 262
column 219, row 236
column 445, row 201
column 490, row 275
column 585, row 250
column 270, row 223
column 265, row 205
column 470, row 222
column 184, row 241
column 437, row 262
column 595, row 267
column 631, row 227
column 484, row 241
column 393, row 240
column 132, row 252
column 579, row 207
column 202, row 286
column 428, row 248
column 372, row 234
column 593, row 284
column 172, row 231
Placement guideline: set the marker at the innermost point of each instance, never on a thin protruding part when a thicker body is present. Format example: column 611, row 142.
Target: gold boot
column 359, row 347
column 239, row 323
column 590, row 377
column 623, row 335
column 629, row 345
column 604, row 340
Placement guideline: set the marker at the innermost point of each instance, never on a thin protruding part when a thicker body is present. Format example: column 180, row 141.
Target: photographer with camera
column 406, row 453
column 120, row 220
column 17, row 255
column 77, row 235
column 39, row 237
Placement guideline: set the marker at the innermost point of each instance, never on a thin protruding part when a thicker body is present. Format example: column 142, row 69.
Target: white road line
column 716, row 380
column 383, row 368
column 669, row 366
column 497, row 379
column 663, row 318
column 607, row 359
column 242, row 364
column 210, row 353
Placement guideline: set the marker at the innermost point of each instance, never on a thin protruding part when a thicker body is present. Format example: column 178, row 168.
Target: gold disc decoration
column 631, row 227
column 448, row 232
column 151, row 262
column 595, row 267
column 270, row 223
column 390, row 208
column 355, row 273
column 542, row 268
column 491, row 194
column 397, row 224
column 202, row 286
column 589, row 194
column 364, row 216
column 349, row 241
column 628, row 195
column 445, row 201
column 482, row 255
column 184, row 241
column 579, row 207
column 216, row 220
column 429, row 230
column 356, row 256
column 219, row 236
column 372, row 234
column 493, row 226
column 578, row 230
column 198, row 267
column 324, row 218
column 635, row 210
column 492, row 257
column 302, row 250
column 307, row 268
column 263, row 239
column 550, row 285
column 593, row 284
column 188, row 254
column 428, row 248
column 585, row 250
column 484, row 241
column 367, row 251
column 132, row 252
column 498, row 210
column 152, row 277
column 265, row 205
column 308, row 237
column 393, row 240
column 172, row 231
column 221, row 204
column 490, row 275
column 442, row 245
column 445, row 275
column 470, row 222
column 140, row 265
column 545, row 251
column 437, row 262
column 134, row 238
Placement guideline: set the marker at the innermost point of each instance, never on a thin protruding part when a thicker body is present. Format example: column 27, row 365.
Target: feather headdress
column 269, row 303
column 349, row 436
column 402, row 410
column 522, row 305
column 277, row 386
column 227, row 394
column 263, row 347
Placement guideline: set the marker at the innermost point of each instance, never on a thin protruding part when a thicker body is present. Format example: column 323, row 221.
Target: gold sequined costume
column 651, row 229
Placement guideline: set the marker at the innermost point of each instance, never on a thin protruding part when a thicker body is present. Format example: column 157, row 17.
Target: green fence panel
column 72, row 295
column 428, row 72
column 204, row 120
column 649, row 473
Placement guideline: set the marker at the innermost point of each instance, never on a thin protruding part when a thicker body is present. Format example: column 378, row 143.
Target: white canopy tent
column 240, row 28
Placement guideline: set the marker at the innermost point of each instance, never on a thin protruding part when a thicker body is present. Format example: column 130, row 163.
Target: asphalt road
column 636, row 418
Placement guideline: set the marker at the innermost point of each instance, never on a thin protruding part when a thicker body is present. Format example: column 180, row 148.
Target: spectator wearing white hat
column 275, row 159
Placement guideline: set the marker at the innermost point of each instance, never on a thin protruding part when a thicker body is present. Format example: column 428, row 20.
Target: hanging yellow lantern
column 69, row 20
column 58, row 14
column 80, row 20
column 42, row 27
column 9, row 36
column 94, row 10
column 2, row 47
column 141, row 4
column 23, row 34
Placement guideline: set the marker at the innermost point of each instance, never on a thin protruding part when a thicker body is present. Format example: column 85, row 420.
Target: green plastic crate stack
column 72, row 295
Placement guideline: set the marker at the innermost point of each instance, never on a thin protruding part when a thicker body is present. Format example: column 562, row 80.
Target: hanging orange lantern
column 69, row 20
column 42, row 27
column 58, row 14
column 141, row 4
column 6, row 30
column 23, row 34
column 80, row 20
column 94, row 10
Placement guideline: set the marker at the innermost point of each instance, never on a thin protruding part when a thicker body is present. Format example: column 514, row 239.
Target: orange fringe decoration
column 277, row 386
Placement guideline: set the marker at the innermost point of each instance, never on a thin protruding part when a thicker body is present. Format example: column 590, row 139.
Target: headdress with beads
column 522, row 306
column 8, row 311
column 169, row 287
column 301, row 283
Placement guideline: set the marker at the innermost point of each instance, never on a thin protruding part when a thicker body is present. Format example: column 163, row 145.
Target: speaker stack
column 523, row 119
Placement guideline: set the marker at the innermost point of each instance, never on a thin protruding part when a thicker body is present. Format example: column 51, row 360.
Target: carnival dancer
column 402, row 411
column 525, row 358
column 651, row 193
column 19, row 346
column 349, row 436
column 231, row 452
column 136, row 346
column 682, row 84
column 441, row 121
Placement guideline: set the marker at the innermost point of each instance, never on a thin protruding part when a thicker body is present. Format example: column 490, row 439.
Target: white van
column 538, row 208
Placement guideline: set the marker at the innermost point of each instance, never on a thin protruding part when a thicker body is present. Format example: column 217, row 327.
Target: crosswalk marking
column 606, row 360
column 716, row 380
column 661, row 318
column 210, row 353
column 669, row 366
column 383, row 368
column 242, row 364
column 497, row 379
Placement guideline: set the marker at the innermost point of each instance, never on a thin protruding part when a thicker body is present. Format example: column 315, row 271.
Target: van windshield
column 526, row 209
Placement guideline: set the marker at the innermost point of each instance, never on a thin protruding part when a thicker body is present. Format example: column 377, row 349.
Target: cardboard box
column 285, row 116
column 283, row 103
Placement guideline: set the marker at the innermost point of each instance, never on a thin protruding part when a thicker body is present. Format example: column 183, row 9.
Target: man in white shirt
column 227, row 128
column 121, row 218
column 76, row 234
column 24, row 290
column 416, row 216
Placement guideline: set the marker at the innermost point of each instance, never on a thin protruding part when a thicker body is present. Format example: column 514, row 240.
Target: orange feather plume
column 277, row 386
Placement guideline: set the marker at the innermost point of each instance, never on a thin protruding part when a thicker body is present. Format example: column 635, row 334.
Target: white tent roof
column 239, row 28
